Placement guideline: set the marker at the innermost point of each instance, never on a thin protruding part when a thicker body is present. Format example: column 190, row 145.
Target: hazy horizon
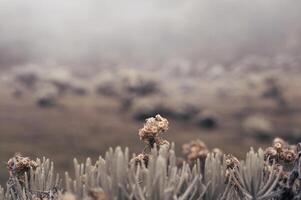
column 91, row 33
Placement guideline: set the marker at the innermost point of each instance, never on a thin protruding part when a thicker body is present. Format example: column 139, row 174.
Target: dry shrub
column 27, row 79
column 258, row 126
column 46, row 95
column 177, row 110
column 207, row 119
column 275, row 92
column 127, row 82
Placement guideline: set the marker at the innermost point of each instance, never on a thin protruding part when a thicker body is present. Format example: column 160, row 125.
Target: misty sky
column 77, row 32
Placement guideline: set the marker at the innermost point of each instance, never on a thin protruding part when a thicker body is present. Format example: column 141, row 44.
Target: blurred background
column 78, row 77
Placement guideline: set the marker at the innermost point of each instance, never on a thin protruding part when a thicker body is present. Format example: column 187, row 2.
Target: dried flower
column 18, row 165
column 231, row 161
column 141, row 158
column 270, row 153
column 152, row 128
column 150, row 134
column 194, row 150
column 288, row 155
column 279, row 144
column 281, row 152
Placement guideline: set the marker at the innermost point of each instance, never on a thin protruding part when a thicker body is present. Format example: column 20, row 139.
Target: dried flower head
column 152, row 128
column 194, row 150
column 281, row 152
column 231, row 161
column 279, row 144
column 18, row 165
column 141, row 158
column 288, row 155
column 270, row 153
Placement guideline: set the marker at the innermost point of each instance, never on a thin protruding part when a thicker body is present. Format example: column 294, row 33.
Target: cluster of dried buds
column 19, row 165
column 197, row 150
column 232, row 163
column 288, row 158
column 150, row 134
column 281, row 152
column 141, row 158
column 152, row 129
column 284, row 156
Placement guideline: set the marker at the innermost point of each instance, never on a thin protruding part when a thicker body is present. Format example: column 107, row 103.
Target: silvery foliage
column 214, row 176
column 255, row 178
column 161, row 179
column 40, row 183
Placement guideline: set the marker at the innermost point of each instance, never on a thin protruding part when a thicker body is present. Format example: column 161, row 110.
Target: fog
column 94, row 32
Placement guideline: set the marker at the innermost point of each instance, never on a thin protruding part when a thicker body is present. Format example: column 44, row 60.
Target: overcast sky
column 76, row 32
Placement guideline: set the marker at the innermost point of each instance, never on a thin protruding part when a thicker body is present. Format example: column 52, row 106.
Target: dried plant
column 150, row 134
column 214, row 176
column 194, row 150
column 273, row 174
column 19, row 165
column 118, row 179
column 31, row 179
column 258, row 126
column 253, row 179
column 153, row 127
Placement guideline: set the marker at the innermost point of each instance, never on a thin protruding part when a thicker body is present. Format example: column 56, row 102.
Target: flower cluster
column 150, row 134
column 231, row 161
column 152, row 129
column 18, row 165
column 232, row 164
column 197, row 150
column 284, row 156
column 194, row 150
column 141, row 158
column 281, row 152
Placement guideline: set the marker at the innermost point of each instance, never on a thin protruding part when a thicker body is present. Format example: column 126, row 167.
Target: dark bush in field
column 207, row 119
column 258, row 127
column 177, row 111
column 123, row 83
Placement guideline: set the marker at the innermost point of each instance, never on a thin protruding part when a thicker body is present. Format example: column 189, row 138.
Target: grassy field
column 88, row 125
